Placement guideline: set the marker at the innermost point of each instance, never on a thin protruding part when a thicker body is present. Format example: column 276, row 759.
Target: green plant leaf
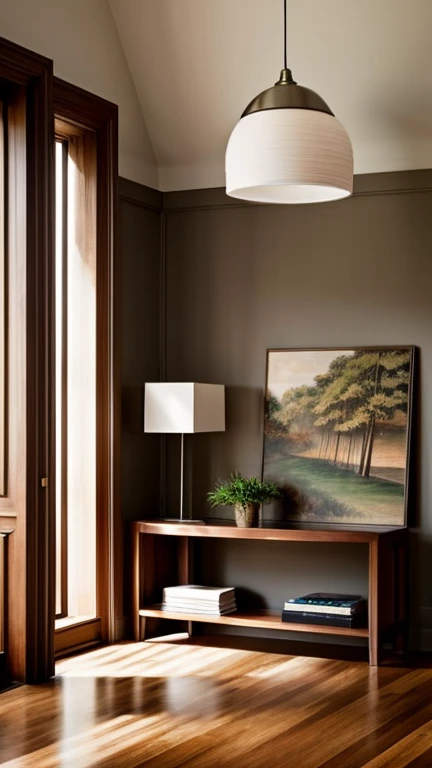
column 242, row 491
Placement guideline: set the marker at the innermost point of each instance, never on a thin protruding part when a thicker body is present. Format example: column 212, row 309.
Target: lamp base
column 181, row 521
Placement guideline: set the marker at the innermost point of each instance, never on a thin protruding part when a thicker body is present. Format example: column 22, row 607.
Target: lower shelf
column 257, row 619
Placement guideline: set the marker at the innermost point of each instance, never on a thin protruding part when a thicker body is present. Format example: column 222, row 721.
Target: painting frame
column 337, row 433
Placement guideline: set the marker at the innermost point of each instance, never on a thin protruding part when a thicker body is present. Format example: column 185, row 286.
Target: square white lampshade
column 184, row 407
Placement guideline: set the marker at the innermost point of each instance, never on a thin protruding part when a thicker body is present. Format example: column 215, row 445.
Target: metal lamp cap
column 286, row 94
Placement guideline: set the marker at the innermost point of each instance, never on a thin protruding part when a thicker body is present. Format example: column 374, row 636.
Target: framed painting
column 337, row 433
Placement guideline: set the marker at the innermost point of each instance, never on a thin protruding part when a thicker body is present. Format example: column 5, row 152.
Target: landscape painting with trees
column 336, row 433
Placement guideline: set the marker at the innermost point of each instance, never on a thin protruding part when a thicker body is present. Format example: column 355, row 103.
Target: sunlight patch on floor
column 79, row 751
column 295, row 666
column 149, row 659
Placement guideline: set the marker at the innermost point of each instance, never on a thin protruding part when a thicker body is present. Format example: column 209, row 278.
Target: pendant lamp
column 288, row 147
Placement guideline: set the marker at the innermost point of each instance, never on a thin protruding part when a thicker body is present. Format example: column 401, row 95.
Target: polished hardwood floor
column 200, row 703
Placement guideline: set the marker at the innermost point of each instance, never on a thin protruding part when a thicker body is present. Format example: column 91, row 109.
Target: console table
column 162, row 556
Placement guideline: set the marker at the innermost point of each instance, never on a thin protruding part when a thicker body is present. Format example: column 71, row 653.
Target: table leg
column 136, row 583
column 373, row 604
column 185, row 561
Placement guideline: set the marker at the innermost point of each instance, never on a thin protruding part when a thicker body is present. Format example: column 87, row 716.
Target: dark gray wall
column 241, row 279
column 141, row 292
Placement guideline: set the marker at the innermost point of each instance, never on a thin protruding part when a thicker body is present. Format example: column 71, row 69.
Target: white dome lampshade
column 288, row 147
column 289, row 156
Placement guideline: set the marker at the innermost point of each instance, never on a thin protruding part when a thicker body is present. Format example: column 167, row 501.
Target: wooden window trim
column 75, row 106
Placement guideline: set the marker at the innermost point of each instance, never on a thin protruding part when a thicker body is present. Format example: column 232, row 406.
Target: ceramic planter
column 247, row 516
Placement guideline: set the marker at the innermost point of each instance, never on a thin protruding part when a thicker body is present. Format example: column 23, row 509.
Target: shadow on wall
column 239, row 448
column 420, row 605
column 140, row 459
column 132, row 405
column 415, row 474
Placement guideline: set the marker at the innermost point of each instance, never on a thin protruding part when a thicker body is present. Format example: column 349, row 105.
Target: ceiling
column 197, row 63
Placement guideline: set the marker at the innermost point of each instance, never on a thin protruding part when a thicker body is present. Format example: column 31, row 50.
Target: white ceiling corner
column 197, row 63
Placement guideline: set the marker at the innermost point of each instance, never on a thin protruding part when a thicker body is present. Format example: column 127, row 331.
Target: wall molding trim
column 365, row 185
column 138, row 194
column 392, row 183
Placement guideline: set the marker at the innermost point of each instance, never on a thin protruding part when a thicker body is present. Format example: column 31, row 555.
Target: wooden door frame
column 28, row 509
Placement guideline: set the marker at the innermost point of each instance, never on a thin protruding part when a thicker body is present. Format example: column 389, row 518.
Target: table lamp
column 184, row 408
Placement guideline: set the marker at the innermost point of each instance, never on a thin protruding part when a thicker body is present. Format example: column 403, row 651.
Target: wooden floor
column 192, row 704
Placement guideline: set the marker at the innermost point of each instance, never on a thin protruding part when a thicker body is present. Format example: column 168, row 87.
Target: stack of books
column 323, row 608
column 192, row 598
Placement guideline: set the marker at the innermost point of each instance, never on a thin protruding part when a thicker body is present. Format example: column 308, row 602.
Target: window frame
column 76, row 107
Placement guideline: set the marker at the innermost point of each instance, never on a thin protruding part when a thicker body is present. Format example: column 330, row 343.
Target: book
column 324, row 619
column 213, row 595
column 187, row 609
column 327, row 603
column 197, row 603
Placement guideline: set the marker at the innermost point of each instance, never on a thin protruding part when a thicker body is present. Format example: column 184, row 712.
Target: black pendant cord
column 285, row 36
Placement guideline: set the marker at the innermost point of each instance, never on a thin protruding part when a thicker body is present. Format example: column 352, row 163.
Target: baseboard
column 121, row 629
column 4, row 679
column 72, row 638
column 424, row 631
column 426, row 640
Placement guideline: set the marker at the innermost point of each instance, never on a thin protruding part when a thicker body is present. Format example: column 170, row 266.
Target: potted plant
column 245, row 494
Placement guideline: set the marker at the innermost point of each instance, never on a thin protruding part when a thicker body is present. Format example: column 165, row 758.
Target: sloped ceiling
column 82, row 40
column 197, row 63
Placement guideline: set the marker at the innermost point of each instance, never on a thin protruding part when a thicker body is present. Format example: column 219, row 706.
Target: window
column 60, row 377
column 75, row 311
column 84, row 380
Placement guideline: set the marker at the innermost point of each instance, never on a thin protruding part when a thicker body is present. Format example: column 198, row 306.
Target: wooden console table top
column 295, row 532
